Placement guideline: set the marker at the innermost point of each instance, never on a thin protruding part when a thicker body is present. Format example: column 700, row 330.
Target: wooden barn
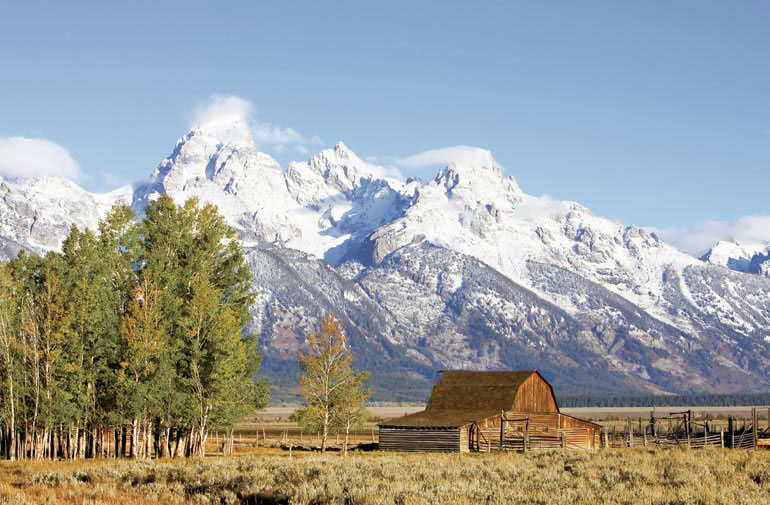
column 488, row 411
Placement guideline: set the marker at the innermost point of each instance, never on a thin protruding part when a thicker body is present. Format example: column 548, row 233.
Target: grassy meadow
column 623, row 476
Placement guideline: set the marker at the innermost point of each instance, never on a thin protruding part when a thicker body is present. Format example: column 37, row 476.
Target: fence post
column 722, row 439
column 644, row 436
column 502, row 429
column 754, row 426
column 605, row 437
column 526, row 433
column 731, row 431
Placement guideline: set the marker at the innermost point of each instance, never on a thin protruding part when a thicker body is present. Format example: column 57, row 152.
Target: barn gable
column 535, row 394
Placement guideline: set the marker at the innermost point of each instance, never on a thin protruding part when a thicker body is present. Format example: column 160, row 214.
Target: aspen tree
column 327, row 382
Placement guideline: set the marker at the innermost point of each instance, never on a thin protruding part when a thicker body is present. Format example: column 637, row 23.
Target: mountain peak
column 220, row 150
column 343, row 151
column 232, row 130
column 341, row 168
column 475, row 169
column 733, row 254
column 340, row 154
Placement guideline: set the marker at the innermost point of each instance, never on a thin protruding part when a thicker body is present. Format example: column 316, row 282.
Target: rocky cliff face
column 464, row 271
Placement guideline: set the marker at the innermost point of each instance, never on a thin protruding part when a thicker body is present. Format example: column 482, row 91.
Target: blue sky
column 653, row 113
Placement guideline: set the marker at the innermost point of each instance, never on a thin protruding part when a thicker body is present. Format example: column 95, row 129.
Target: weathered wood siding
column 535, row 395
column 422, row 439
column 465, row 439
column 582, row 433
column 544, row 431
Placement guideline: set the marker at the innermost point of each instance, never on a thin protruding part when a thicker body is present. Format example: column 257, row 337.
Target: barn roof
column 463, row 396
column 440, row 418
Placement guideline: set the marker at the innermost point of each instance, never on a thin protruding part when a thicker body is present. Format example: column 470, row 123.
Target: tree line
column 129, row 342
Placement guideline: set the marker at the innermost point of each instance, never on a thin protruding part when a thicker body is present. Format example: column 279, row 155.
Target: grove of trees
column 130, row 341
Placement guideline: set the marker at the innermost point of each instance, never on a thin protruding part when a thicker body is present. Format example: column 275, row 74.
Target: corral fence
column 532, row 432
column 679, row 429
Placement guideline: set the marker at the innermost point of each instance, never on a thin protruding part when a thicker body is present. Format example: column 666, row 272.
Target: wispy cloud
column 221, row 109
column 697, row 239
column 432, row 159
column 228, row 108
column 460, row 154
column 535, row 207
column 266, row 133
column 28, row 157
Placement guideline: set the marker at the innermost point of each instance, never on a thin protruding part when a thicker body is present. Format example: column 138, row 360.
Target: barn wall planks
column 421, row 440
column 542, row 431
column 535, row 395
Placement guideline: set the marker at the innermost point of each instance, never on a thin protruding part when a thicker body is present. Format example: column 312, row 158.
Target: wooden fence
column 682, row 430
column 530, row 433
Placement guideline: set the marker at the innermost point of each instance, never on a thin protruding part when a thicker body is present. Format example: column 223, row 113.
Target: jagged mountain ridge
column 753, row 258
column 465, row 270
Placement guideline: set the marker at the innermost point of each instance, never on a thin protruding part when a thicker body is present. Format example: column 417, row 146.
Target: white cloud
column 461, row 155
column 697, row 239
column 432, row 159
column 229, row 108
column 301, row 149
column 389, row 171
column 26, row 157
column 266, row 133
column 222, row 108
column 535, row 207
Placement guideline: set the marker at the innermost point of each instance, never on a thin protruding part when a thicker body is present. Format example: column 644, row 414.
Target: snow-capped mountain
column 36, row 214
column 752, row 258
column 465, row 270
column 733, row 254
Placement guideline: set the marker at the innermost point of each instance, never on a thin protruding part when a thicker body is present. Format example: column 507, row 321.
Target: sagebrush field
column 625, row 476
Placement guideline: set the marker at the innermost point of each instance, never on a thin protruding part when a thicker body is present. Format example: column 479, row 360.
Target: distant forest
column 701, row 400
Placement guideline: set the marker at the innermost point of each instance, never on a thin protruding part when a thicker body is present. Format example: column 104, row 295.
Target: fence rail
column 683, row 431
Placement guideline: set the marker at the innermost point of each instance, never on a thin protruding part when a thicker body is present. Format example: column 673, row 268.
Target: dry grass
column 625, row 476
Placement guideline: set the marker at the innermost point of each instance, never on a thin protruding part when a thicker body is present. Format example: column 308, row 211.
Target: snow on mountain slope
column 760, row 263
column 734, row 255
column 351, row 197
column 36, row 213
column 219, row 163
column 318, row 207
column 476, row 211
